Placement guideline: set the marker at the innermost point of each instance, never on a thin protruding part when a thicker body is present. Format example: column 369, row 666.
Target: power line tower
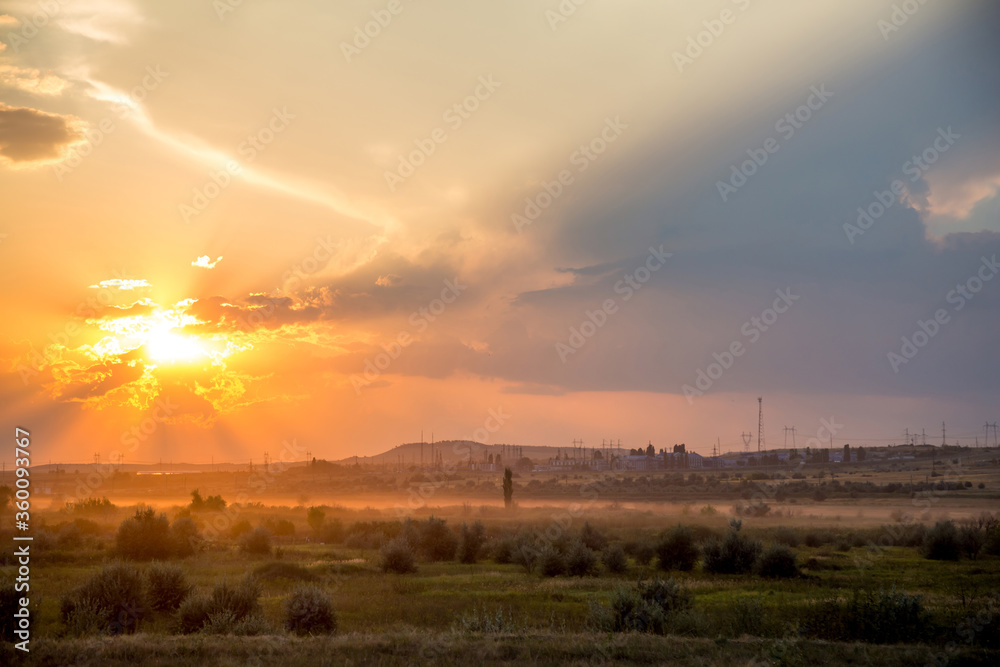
column 747, row 438
column 789, row 429
column 944, row 441
column 760, row 423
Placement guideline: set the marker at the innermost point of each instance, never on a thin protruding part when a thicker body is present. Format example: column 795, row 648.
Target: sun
column 165, row 346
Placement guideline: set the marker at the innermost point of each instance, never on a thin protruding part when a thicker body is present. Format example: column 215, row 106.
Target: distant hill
column 458, row 451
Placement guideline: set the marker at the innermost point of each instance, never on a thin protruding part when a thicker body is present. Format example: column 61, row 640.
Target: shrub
column 437, row 541
column 581, row 561
column 525, row 553
column 736, row 554
column 145, row 536
column 185, row 538
column 112, row 601
column 315, row 518
column 240, row 528
column 777, row 562
column 470, row 542
column 309, row 611
column 228, row 604
column 941, row 542
column 648, row 607
column 551, row 562
column 503, row 549
column 279, row 527
column 592, row 538
column 398, row 557
column 677, row 550
column 257, row 542
column 971, row 540
column 614, row 559
column 641, row 551
column 167, row 586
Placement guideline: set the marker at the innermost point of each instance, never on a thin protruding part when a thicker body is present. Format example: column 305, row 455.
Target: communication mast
column 760, row 423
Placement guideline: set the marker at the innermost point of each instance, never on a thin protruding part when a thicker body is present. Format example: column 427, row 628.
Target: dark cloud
column 29, row 135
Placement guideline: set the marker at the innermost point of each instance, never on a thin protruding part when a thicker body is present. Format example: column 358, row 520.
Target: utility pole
column 944, row 441
column 760, row 423
column 923, row 436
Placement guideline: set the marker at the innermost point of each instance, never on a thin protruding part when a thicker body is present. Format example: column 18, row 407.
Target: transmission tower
column 747, row 438
column 760, row 423
column 789, row 429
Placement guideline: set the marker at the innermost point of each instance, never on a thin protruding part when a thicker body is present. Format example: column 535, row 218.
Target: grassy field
column 448, row 612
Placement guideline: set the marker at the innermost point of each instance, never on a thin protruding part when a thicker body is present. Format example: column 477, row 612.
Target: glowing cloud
column 205, row 262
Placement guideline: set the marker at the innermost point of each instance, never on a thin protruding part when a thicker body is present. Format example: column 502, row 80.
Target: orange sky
column 222, row 231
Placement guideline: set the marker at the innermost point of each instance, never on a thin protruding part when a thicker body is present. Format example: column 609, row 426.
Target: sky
column 235, row 227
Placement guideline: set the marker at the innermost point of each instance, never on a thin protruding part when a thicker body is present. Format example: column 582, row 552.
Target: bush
column 240, row 528
column 677, row 550
column 185, row 538
column 167, row 586
column 777, row 562
column 614, row 559
column 279, row 527
column 646, row 608
column 592, row 538
column 398, row 557
column 581, row 561
column 437, row 541
column 551, row 562
column 942, row 542
column 113, row 601
column 228, row 605
column 145, row 536
column 470, row 542
column 971, row 539
column 483, row 621
column 736, row 554
column 525, row 553
column 315, row 518
column 503, row 549
column 309, row 611
column 226, row 623
column 641, row 551
column 257, row 542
